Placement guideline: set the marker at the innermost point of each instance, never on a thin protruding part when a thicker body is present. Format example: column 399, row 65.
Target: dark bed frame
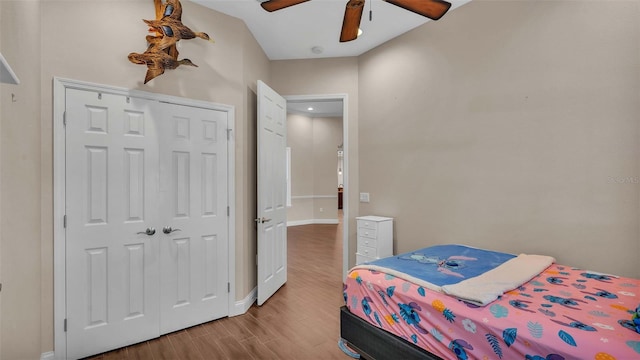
column 373, row 343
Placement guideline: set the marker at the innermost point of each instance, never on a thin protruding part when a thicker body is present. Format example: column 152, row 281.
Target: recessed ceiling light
column 310, row 108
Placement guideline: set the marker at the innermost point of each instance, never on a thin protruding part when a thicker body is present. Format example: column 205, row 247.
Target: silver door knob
column 150, row 231
column 262, row 221
column 169, row 230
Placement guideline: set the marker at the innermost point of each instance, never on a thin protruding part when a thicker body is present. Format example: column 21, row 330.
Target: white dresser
column 375, row 238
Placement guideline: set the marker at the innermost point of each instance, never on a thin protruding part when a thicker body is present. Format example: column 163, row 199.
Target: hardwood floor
column 300, row 321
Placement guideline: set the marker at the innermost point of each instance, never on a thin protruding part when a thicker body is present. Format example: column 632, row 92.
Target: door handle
column 150, row 231
column 169, row 230
column 262, row 221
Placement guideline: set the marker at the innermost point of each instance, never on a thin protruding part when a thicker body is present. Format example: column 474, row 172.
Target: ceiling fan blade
column 351, row 22
column 273, row 5
column 433, row 9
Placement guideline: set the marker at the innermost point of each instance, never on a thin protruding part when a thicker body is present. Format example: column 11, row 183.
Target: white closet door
column 111, row 171
column 147, row 223
column 193, row 203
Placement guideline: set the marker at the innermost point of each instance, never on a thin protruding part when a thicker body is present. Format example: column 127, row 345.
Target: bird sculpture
column 167, row 30
column 173, row 31
column 157, row 62
column 158, row 59
column 168, row 25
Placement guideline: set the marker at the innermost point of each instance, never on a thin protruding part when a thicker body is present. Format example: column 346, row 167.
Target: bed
column 432, row 304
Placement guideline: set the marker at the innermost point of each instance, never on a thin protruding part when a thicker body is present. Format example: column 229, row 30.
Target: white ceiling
column 292, row 32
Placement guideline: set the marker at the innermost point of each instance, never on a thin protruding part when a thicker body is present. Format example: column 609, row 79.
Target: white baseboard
column 243, row 305
column 313, row 221
column 47, row 356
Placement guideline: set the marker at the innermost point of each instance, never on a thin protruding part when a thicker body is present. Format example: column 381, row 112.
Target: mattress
column 560, row 313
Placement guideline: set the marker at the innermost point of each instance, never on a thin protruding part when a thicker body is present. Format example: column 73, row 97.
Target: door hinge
column 64, row 118
column 65, row 325
column 228, row 211
column 64, row 221
column 229, row 134
column 228, row 287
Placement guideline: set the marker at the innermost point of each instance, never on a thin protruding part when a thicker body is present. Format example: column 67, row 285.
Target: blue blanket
column 444, row 264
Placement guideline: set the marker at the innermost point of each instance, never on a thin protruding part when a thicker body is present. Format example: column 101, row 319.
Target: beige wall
column 70, row 39
column 511, row 125
column 20, row 180
column 314, row 142
column 327, row 136
column 300, row 140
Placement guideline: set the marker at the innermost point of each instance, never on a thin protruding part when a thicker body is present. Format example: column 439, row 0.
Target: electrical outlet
column 364, row 197
column 321, row 209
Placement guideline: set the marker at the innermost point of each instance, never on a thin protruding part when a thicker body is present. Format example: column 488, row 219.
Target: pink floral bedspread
column 563, row 313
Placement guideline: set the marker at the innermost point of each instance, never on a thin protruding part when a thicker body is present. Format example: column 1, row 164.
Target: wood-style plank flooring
column 301, row 321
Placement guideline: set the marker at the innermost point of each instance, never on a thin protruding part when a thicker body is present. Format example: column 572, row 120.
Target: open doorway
column 317, row 131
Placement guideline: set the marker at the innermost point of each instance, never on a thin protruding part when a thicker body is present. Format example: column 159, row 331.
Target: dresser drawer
column 365, row 241
column 363, row 259
column 367, row 224
column 366, row 232
column 367, row 251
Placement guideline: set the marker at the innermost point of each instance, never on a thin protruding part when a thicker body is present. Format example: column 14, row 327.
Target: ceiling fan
column 433, row 9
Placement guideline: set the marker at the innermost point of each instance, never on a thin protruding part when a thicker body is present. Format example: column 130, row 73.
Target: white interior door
column 272, row 191
column 111, row 276
column 147, row 219
column 193, row 193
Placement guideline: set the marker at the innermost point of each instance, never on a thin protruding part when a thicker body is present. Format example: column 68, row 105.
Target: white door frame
column 59, row 196
column 345, row 170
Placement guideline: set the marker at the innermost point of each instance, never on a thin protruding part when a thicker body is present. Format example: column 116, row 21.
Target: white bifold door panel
column 112, row 264
column 193, row 204
column 146, row 211
column 272, row 192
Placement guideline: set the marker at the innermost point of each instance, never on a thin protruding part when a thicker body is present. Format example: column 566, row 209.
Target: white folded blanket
column 485, row 288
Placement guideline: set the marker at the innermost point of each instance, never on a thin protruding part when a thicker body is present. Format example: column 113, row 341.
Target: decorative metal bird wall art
column 167, row 29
